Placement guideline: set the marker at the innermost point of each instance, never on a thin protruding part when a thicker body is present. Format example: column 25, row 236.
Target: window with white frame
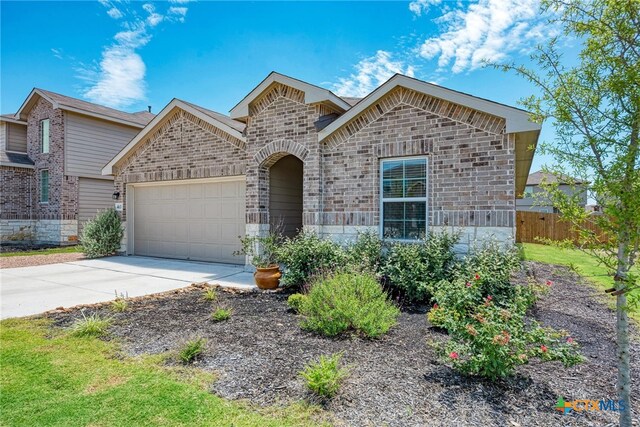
column 44, row 136
column 403, row 198
column 528, row 191
column 44, row 186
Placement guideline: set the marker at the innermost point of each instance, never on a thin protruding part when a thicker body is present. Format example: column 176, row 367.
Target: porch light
column 116, row 195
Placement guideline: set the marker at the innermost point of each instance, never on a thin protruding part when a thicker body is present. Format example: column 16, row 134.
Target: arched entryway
column 285, row 195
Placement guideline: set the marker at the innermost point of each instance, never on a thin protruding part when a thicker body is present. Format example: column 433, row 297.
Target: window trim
column 44, row 202
column 42, row 136
column 382, row 199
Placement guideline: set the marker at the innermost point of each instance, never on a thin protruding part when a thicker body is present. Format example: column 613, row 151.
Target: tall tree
column 595, row 107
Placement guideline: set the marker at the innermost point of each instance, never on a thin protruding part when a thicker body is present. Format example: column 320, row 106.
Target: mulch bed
column 394, row 381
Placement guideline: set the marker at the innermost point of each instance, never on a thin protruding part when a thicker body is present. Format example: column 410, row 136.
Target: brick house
column 408, row 158
column 51, row 155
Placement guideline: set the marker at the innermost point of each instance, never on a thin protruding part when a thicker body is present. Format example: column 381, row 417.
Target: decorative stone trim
column 477, row 218
column 436, row 106
column 215, row 131
column 270, row 95
column 268, row 155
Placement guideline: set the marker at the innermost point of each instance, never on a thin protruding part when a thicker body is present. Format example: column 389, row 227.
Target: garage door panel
column 199, row 221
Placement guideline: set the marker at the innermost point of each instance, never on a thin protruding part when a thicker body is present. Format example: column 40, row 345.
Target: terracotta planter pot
column 267, row 278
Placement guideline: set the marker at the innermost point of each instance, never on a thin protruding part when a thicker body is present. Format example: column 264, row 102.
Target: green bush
column 348, row 302
column 90, row 326
column 416, row 268
column 221, row 314
column 325, row 376
column 366, row 253
column 489, row 267
column 101, row 236
column 494, row 340
column 209, row 294
column 307, row 255
column 191, row 350
column 295, row 302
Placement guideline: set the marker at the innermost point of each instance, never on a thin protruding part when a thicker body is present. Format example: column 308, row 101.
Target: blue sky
column 132, row 54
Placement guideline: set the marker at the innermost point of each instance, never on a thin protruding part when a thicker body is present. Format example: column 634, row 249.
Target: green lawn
column 49, row 378
column 582, row 263
column 62, row 250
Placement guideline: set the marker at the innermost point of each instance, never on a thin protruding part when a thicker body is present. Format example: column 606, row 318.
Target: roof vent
column 149, row 107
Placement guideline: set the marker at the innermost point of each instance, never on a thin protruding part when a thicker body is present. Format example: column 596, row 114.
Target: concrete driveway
column 31, row 290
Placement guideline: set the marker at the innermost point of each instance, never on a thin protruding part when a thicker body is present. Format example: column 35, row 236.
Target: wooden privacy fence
column 533, row 225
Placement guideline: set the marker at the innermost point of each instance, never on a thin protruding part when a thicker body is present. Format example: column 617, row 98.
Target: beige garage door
column 94, row 195
column 196, row 221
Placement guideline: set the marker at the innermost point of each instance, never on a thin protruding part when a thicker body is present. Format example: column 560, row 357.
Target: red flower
column 543, row 348
column 468, row 284
column 489, row 297
column 435, row 306
column 549, row 283
column 477, row 276
column 570, row 340
column 454, row 355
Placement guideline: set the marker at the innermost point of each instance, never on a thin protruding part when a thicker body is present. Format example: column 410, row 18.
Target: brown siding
column 285, row 195
column 16, row 138
column 91, row 143
column 93, row 195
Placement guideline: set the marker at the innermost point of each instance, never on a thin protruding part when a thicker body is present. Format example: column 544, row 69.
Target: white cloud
column 370, row 73
column 118, row 79
column 115, row 13
column 489, row 30
column 178, row 12
column 418, row 7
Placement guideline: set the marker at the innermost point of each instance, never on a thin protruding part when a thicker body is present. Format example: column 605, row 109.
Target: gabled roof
column 220, row 121
column 312, row 94
column 10, row 118
column 517, row 120
column 139, row 119
column 537, row 178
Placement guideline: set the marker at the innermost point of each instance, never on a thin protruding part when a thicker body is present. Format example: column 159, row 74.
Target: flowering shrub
column 366, row 253
column 489, row 267
column 489, row 334
column 416, row 268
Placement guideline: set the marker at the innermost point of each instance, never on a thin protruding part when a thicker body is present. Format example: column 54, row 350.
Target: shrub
column 120, row 304
column 295, row 302
column 325, row 376
column 366, row 253
column 209, row 294
column 416, row 268
column 307, row 255
column 494, row 340
column 221, row 314
column 262, row 250
column 101, row 235
column 490, row 267
column 90, row 326
column 191, row 350
column 348, row 302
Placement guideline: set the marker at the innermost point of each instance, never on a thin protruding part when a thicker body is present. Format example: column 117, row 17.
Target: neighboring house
column 53, row 150
column 410, row 157
column 533, row 198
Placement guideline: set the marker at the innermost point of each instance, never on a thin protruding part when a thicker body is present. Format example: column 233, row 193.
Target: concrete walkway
column 32, row 290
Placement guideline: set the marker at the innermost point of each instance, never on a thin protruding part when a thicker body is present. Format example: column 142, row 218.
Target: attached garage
column 94, row 195
column 198, row 219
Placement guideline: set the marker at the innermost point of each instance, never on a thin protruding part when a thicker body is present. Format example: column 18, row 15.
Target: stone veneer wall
column 42, row 231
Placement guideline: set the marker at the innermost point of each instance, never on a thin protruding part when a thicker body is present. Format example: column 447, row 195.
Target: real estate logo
column 589, row 405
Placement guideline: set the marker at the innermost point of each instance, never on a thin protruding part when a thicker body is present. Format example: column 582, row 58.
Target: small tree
column 101, row 236
column 595, row 106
